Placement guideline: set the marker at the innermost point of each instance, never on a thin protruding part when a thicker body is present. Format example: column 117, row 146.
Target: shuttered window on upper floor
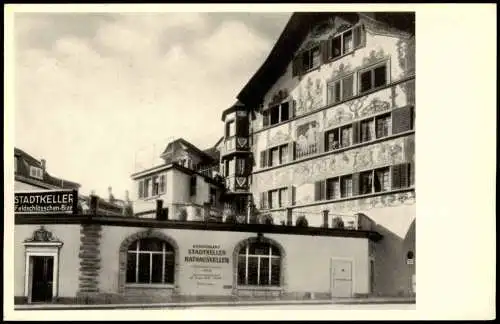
column 330, row 49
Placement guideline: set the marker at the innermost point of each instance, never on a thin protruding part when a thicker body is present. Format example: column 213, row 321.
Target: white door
column 341, row 274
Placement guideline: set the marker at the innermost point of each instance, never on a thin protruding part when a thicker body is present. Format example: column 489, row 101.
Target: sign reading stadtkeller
column 46, row 202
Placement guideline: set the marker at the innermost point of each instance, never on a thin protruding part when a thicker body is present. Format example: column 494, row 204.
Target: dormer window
column 36, row 172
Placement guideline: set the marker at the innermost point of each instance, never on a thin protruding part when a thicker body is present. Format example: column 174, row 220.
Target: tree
column 302, row 222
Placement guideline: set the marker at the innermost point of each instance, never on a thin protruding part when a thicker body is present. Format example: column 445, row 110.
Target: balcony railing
column 303, row 150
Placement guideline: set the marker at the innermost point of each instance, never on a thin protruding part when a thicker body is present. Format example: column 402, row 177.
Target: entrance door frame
column 353, row 276
column 50, row 249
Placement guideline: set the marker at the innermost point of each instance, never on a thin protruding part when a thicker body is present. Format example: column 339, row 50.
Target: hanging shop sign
column 46, row 202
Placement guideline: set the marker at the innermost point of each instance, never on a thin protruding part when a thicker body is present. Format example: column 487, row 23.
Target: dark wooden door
column 43, row 276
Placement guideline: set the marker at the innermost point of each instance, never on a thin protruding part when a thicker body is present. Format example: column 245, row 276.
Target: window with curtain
column 259, row 264
column 150, row 261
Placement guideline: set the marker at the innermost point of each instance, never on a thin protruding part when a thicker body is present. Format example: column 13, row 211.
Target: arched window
column 150, row 261
column 259, row 264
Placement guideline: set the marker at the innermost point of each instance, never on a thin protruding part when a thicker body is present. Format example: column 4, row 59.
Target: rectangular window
column 332, row 140
column 36, row 172
column 285, row 111
column 274, row 156
column 156, row 186
column 346, row 186
column 230, row 128
column 346, row 136
column 240, row 166
column 333, row 188
column 341, row 89
column 336, row 47
column 283, row 197
column 274, row 203
column 311, row 59
column 347, row 42
column 374, row 78
column 141, row 189
column 147, row 186
column 382, row 182
column 365, row 182
column 382, row 124
column 275, row 114
column 283, row 154
column 162, row 183
column 367, row 130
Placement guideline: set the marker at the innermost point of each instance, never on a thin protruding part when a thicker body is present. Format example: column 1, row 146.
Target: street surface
column 315, row 307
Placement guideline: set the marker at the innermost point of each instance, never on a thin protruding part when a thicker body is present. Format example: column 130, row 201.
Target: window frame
column 144, row 192
column 36, row 172
column 228, row 128
column 309, row 53
column 340, row 81
column 266, row 114
column 164, row 253
column 371, row 68
column 281, row 198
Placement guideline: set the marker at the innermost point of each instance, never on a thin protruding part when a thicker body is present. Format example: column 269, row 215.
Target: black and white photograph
column 237, row 160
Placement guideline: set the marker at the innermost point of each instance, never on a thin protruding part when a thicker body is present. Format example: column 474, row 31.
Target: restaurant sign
column 46, row 202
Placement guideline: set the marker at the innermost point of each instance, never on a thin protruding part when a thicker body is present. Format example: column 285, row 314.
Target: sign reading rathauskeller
column 46, row 202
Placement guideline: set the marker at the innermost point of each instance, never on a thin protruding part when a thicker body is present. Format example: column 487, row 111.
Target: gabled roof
column 180, row 142
column 23, row 170
column 293, row 35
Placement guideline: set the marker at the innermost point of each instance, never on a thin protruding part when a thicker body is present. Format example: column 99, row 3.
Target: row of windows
column 152, row 186
column 398, row 176
column 339, row 90
column 379, row 180
column 366, row 130
column 328, row 50
column 274, row 198
column 235, row 167
column 152, row 261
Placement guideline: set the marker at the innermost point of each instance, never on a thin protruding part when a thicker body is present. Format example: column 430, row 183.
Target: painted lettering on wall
column 50, row 201
column 206, row 254
column 206, row 272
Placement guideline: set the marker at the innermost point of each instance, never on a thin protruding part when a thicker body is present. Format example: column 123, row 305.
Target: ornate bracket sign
column 46, row 202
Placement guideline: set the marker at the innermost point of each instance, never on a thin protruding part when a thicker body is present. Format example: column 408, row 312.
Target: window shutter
column 396, row 176
column 293, row 108
column 330, row 95
column 262, row 199
column 402, row 119
column 319, row 190
column 193, row 185
column 265, row 118
column 325, row 51
column 404, row 175
column 355, row 184
column 293, row 195
column 242, row 126
column 412, row 173
column 297, row 65
column 355, row 132
column 263, row 160
column 359, row 36
column 322, row 144
column 141, row 188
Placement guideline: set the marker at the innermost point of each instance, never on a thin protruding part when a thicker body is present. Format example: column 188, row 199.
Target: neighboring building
column 112, row 206
column 324, row 131
column 187, row 185
column 31, row 174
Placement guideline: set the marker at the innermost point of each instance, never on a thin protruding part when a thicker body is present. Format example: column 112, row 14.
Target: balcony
column 235, row 144
column 303, row 150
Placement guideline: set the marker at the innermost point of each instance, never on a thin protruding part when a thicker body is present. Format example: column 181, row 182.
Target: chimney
column 44, row 163
column 127, row 198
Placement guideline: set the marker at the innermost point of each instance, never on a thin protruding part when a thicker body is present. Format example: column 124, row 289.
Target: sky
column 100, row 95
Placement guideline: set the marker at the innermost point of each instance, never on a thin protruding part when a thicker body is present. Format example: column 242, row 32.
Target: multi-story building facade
column 327, row 127
column 31, row 174
column 186, row 187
